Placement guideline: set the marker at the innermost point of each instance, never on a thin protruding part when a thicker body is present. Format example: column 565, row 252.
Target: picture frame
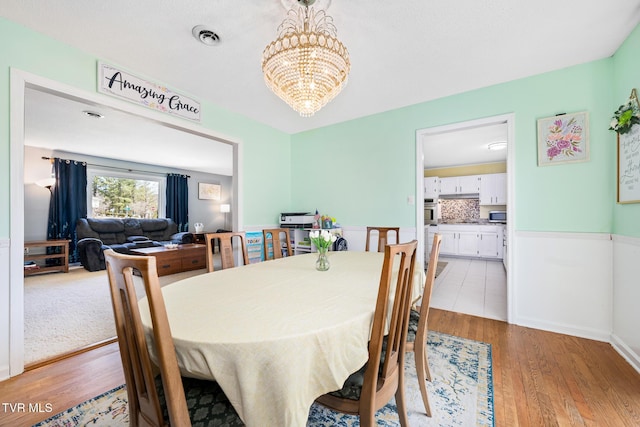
column 628, row 166
column 208, row 191
column 563, row 138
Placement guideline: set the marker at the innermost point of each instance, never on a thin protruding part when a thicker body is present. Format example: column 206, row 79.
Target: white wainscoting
column 563, row 282
column 626, row 298
column 357, row 236
column 4, row 309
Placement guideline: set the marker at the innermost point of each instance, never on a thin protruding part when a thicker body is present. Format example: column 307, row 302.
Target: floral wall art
column 563, row 139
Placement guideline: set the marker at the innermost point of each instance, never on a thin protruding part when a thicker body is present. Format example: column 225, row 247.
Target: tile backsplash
column 459, row 210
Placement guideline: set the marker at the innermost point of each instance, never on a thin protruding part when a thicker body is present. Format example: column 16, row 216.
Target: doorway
column 452, row 136
column 20, row 82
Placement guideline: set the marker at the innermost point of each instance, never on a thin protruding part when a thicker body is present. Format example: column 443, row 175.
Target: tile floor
column 472, row 286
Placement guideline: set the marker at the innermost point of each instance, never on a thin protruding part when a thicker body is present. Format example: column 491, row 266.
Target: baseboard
column 629, row 355
column 4, row 373
column 592, row 334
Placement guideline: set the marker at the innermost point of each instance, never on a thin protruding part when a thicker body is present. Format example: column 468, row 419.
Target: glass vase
column 322, row 263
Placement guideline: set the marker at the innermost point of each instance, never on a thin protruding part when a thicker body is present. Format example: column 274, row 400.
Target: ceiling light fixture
column 205, row 35
column 306, row 66
column 498, row 145
column 92, row 114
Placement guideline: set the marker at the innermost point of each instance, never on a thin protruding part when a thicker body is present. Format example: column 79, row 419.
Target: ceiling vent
column 205, row 35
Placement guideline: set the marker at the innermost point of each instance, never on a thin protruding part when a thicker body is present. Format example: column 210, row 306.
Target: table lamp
column 225, row 208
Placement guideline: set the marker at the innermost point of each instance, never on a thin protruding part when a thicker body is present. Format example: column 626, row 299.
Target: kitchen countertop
column 479, row 222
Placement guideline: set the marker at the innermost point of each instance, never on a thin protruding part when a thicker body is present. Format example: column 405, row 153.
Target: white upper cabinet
column 460, row 185
column 493, row 189
column 431, row 187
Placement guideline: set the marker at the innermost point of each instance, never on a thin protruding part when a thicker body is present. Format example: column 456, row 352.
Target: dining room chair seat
column 414, row 319
column 206, row 402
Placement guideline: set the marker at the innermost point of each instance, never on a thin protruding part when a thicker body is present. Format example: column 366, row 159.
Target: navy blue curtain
column 178, row 200
column 68, row 202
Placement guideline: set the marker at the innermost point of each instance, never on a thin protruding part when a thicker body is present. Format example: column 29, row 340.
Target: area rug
column 461, row 394
column 65, row 312
column 439, row 268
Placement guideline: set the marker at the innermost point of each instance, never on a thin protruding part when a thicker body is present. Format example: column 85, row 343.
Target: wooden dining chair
column 274, row 236
column 383, row 239
column 382, row 377
column 226, row 248
column 157, row 400
column 417, row 333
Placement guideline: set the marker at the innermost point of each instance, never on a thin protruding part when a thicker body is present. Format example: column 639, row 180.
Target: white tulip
column 333, row 238
column 314, row 234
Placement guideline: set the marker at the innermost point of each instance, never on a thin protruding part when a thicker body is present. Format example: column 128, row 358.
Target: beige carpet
column 65, row 312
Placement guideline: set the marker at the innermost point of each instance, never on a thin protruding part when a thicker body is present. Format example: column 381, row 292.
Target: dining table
column 276, row 335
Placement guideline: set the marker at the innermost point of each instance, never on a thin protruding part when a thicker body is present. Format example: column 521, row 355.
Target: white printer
column 296, row 220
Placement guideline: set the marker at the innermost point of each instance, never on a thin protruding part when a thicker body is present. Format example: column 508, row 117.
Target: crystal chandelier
column 306, row 66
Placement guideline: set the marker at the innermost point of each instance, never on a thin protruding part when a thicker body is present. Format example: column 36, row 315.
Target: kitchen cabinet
column 493, row 189
column 448, row 245
column 471, row 240
column 431, row 187
column 489, row 244
column 469, row 184
column 468, row 243
column 429, row 231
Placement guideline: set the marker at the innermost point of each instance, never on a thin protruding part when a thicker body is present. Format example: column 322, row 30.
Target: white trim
column 509, row 119
column 626, row 352
column 563, row 328
column 563, row 235
column 5, row 246
column 627, row 240
column 19, row 80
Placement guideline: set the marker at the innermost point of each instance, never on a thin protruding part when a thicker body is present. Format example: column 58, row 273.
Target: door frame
column 19, row 81
column 421, row 134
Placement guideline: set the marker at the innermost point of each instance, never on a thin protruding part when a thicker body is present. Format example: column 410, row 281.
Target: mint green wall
column 262, row 146
column 626, row 77
column 373, row 167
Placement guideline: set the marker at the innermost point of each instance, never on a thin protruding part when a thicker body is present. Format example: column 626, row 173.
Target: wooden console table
column 183, row 258
column 63, row 256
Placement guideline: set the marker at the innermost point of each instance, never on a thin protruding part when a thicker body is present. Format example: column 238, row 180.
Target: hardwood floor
column 540, row 378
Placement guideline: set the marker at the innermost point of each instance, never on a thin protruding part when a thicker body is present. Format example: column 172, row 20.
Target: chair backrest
column 144, row 406
column 381, row 383
column 421, row 335
column 383, row 238
column 226, row 248
column 274, row 236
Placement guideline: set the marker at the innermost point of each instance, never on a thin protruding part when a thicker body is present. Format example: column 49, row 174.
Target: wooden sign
column 116, row 82
column 629, row 166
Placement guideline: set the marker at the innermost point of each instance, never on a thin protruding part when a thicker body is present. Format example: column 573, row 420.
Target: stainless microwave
column 498, row 216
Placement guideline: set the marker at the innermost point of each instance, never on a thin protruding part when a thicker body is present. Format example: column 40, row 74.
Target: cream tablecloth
column 277, row 334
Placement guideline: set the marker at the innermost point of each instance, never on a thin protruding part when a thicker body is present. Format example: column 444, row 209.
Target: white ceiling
column 58, row 123
column 470, row 146
column 402, row 52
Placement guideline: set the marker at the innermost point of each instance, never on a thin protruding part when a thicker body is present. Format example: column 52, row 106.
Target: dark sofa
column 123, row 234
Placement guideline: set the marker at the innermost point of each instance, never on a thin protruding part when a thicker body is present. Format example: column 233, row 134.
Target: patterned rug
column 441, row 265
column 461, row 394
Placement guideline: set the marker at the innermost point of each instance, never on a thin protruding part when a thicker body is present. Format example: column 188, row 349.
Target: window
column 124, row 194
